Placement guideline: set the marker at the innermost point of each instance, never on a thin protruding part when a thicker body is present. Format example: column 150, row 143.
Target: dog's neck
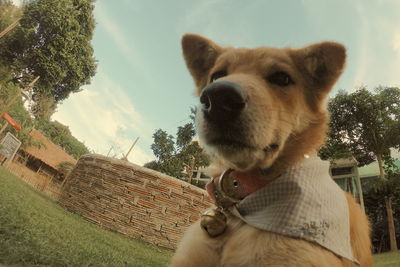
column 297, row 146
column 245, row 183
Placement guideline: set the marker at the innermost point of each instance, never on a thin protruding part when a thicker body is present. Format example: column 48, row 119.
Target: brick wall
column 133, row 200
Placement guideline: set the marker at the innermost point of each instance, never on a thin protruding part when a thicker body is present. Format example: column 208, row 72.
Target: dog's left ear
column 200, row 55
column 323, row 62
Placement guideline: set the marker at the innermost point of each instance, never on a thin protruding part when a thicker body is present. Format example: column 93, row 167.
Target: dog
column 262, row 119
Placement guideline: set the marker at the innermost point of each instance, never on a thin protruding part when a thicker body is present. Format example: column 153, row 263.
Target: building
column 345, row 172
column 45, row 160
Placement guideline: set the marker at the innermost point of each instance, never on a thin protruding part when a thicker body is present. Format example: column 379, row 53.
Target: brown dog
column 263, row 111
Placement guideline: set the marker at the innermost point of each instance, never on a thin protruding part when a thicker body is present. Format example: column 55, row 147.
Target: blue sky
column 142, row 83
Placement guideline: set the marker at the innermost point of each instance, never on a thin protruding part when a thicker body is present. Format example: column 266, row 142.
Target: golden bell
column 213, row 221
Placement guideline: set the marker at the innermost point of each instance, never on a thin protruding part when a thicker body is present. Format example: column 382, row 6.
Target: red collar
column 235, row 185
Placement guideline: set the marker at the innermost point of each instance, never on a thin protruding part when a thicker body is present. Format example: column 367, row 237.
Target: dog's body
column 264, row 108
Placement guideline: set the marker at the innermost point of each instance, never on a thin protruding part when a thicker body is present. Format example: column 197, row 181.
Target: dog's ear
column 200, row 55
column 322, row 62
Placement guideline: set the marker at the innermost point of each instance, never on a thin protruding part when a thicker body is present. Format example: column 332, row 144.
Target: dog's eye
column 217, row 75
column 280, row 78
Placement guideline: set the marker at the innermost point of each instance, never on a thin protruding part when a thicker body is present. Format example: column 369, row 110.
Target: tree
column 61, row 135
column 173, row 154
column 53, row 42
column 375, row 192
column 366, row 125
column 17, row 111
column 9, row 13
column 43, row 107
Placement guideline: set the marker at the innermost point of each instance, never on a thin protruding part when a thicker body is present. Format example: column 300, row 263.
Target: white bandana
column 303, row 203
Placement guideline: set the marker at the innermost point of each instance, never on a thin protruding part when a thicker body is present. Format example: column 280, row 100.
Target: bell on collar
column 213, row 221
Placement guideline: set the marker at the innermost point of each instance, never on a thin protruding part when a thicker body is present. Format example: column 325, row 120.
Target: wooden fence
column 133, row 200
column 39, row 181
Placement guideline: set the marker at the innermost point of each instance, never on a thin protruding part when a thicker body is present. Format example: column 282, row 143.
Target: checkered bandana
column 303, row 203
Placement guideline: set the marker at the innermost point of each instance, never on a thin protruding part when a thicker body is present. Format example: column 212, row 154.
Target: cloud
column 123, row 45
column 396, row 41
column 369, row 31
column 115, row 31
column 396, row 59
column 363, row 49
column 103, row 115
column 210, row 17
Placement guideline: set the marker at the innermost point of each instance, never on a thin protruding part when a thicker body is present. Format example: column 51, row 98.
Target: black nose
column 222, row 100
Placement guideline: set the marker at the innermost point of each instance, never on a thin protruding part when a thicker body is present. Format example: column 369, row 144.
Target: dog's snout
column 222, row 100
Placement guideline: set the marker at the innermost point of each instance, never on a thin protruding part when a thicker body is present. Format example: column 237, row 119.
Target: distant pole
column 130, row 149
column 192, row 160
column 12, row 101
column 31, row 84
column 190, row 168
column 109, row 151
column 9, row 28
column 3, row 127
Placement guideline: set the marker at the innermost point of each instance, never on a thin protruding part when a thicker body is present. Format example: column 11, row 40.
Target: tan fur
column 293, row 117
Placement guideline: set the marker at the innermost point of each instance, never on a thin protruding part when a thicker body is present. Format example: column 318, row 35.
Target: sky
column 142, row 83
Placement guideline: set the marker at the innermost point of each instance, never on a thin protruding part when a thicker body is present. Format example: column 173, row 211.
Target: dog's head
column 264, row 105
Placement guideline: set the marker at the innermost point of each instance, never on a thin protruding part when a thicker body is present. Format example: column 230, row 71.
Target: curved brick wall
column 133, row 200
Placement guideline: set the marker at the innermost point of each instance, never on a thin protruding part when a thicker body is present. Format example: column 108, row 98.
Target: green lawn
column 390, row 259
column 35, row 231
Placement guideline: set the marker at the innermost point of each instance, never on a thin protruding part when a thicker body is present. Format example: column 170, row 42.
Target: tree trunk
column 380, row 164
column 392, row 231
column 192, row 160
column 389, row 210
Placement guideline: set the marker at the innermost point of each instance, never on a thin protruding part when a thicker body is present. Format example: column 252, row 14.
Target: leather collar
column 232, row 186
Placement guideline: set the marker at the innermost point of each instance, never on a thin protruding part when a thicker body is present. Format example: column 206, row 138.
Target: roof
column 343, row 162
column 49, row 153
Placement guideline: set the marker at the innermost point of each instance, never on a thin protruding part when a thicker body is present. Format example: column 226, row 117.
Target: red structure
column 11, row 121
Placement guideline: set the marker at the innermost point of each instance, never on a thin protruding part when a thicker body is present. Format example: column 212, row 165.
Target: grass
column 389, row 259
column 35, row 231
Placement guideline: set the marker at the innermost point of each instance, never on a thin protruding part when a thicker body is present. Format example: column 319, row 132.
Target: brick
column 139, row 213
column 109, row 173
column 142, row 175
column 194, row 218
column 121, row 168
column 162, row 200
column 182, row 197
column 188, row 209
column 147, row 225
column 131, row 181
column 201, row 204
column 180, row 216
column 160, row 218
column 149, row 204
column 174, row 231
column 170, row 183
column 188, row 190
column 138, row 191
column 103, row 162
column 111, row 181
column 157, row 188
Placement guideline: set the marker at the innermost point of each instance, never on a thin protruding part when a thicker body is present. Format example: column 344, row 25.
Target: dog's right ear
column 200, row 55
